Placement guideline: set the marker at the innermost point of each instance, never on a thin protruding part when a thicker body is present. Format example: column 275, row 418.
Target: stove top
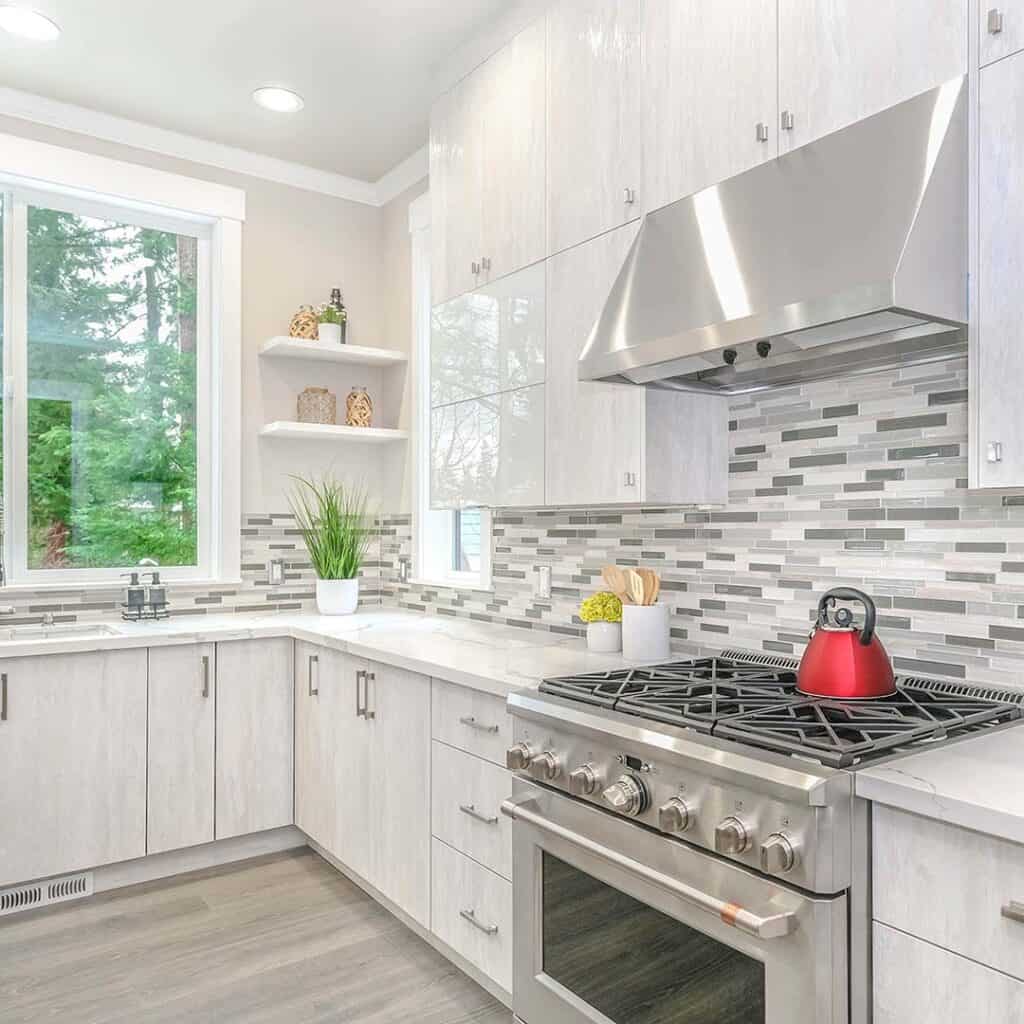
column 755, row 701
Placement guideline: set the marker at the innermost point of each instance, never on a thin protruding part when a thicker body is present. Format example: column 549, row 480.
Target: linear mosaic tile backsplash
column 859, row 482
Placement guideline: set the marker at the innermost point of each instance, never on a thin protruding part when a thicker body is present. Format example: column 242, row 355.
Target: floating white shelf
column 330, row 432
column 300, row 348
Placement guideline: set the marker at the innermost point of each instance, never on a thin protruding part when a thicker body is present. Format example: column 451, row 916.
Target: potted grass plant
column 331, row 324
column 335, row 527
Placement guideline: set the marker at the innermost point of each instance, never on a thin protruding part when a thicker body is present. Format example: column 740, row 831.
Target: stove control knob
column 583, row 781
column 731, row 836
column 627, row 796
column 545, row 767
column 778, row 855
column 518, row 757
column 674, row 816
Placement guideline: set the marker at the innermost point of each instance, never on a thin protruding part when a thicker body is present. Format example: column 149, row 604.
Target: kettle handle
column 850, row 594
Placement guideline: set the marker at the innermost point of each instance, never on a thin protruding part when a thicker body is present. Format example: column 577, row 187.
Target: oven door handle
column 774, row 926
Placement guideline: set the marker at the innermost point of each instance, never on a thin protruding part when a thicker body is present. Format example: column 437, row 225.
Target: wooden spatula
column 616, row 580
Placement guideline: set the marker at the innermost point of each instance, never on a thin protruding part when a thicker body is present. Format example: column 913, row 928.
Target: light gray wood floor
column 278, row 939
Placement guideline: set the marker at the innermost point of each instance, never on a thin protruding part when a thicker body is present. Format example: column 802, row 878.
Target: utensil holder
column 645, row 632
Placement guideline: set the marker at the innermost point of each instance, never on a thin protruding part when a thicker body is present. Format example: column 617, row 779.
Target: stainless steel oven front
column 616, row 924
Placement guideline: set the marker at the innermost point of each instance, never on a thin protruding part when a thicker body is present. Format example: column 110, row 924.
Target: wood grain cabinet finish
column 1001, row 31
column 594, row 148
column 180, row 777
column 471, row 720
column 842, row 60
column 72, row 763
column 708, row 80
column 918, row 983
column 999, row 339
column 255, row 731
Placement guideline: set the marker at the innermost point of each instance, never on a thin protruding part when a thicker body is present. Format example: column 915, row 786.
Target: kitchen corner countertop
column 976, row 783
column 495, row 659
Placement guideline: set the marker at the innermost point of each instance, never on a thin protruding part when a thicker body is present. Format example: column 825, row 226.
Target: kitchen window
column 450, row 547
column 113, row 338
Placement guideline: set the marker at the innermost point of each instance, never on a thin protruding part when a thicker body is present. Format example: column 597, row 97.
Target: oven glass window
column 639, row 966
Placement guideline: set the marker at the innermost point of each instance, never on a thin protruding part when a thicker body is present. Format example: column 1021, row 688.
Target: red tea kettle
column 840, row 661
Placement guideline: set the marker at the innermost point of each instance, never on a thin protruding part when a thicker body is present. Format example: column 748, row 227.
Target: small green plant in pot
column 331, row 322
column 603, row 615
column 335, row 526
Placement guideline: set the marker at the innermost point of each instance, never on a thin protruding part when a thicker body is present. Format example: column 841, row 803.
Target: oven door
column 616, row 924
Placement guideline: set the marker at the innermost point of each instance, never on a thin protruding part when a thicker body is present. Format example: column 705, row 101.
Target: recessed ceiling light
column 20, row 21
column 281, row 101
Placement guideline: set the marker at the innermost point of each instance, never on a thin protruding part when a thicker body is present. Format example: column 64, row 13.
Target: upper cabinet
column 709, row 84
column 842, row 60
column 1002, row 30
column 594, row 152
column 487, row 169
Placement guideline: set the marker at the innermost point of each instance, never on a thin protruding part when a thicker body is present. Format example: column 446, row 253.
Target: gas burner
column 759, row 705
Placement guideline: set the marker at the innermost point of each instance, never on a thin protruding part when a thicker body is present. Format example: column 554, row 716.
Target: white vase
column 645, row 632
column 337, row 597
column 604, row 637
column 330, row 333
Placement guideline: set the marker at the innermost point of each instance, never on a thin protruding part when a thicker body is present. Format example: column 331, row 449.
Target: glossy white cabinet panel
column 489, row 340
column 918, row 983
column 470, row 720
column 999, row 338
column 180, row 775
column 72, row 763
column 489, row 451
column 512, row 178
column 841, row 60
column 708, row 79
column 594, row 151
column 1001, row 31
column 255, row 731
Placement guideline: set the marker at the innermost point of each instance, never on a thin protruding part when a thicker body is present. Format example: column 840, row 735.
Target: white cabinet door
column 72, row 762
column 398, row 716
column 918, row 983
column 180, row 784
column 999, row 339
column 1002, row 29
column 841, row 60
column 708, row 81
column 594, row 432
column 594, row 151
column 318, row 704
column 512, row 177
column 255, row 731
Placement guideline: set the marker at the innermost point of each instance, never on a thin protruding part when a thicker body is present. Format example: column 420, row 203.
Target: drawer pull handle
column 206, row 675
column 1014, row 910
column 475, row 814
column 314, row 691
column 3, row 697
column 470, row 916
column 474, row 724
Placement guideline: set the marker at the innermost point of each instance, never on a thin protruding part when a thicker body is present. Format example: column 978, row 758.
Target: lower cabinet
column 72, row 762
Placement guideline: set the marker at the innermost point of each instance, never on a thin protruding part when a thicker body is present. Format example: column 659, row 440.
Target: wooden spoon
column 616, row 580
column 649, row 580
column 636, row 586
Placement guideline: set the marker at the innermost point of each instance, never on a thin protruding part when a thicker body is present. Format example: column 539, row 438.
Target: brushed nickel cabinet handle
column 761, row 132
column 313, row 660
column 787, row 120
column 474, row 813
column 472, row 723
column 368, row 677
column 3, row 697
column 1013, row 911
column 360, row 676
column 206, row 675
column 470, row 916
column 995, row 21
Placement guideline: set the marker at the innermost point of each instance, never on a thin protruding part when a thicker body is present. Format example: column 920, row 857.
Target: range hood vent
column 848, row 255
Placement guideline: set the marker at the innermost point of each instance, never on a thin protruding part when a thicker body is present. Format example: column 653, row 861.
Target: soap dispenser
column 157, row 596
column 134, row 604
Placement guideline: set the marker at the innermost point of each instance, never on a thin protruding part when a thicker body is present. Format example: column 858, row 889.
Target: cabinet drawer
column 917, row 982
column 1001, row 31
column 471, row 911
column 472, row 721
column 948, row 885
column 466, row 814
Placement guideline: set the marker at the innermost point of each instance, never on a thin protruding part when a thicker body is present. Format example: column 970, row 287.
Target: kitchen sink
column 58, row 631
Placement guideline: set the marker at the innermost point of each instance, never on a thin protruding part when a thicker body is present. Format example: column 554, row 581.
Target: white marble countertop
column 493, row 658
column 976, row 783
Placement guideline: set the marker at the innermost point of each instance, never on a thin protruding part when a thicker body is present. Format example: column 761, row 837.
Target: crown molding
column 70, row 117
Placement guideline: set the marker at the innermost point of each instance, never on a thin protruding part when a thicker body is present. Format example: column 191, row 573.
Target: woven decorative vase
column 359, row 408
column 318, row 405
column 304, row 325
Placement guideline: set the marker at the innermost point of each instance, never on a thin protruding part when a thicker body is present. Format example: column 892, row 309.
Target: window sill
column 418, row 581
column 19, row 587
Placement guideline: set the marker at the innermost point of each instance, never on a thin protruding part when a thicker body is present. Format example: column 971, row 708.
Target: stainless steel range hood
column 847, row 255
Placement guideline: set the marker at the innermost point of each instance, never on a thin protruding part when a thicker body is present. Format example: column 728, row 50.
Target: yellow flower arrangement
column 602, row 607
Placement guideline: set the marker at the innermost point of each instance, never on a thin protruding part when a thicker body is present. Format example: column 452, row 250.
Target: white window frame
column 34, row 173
column 433, row 530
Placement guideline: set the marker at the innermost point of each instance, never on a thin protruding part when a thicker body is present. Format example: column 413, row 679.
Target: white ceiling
column 364, row 67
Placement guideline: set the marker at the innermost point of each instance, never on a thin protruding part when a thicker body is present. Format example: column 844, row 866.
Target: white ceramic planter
column 337, row 597
column 330, row 333
column 604, row 637
column 645, row 632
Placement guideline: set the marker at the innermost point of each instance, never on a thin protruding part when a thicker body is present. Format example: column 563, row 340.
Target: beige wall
column 297, row 245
